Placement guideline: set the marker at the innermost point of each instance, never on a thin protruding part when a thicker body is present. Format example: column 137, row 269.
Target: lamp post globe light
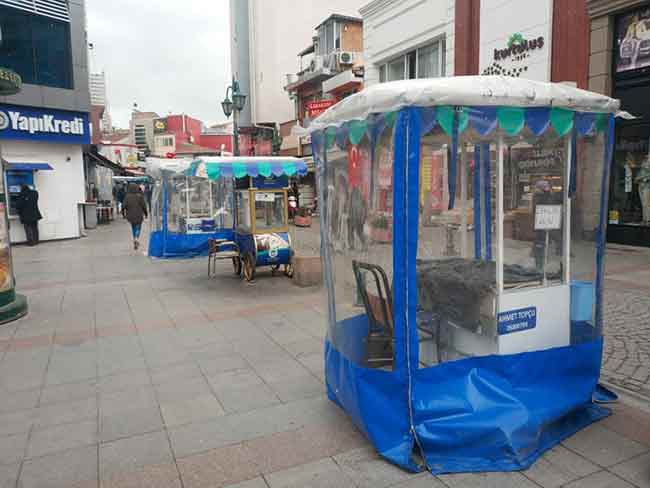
column 12, row 305
column 233, row 107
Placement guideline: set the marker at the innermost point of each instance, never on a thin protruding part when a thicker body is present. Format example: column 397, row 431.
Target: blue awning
column 29, row 167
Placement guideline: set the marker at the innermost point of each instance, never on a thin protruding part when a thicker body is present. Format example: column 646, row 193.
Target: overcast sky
column 166, row 55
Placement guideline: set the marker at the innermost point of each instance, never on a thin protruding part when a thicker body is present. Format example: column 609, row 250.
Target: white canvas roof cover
column 463, row 90
column 156, row 165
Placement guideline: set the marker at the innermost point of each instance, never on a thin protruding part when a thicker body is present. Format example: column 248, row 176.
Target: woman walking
column 135, row 211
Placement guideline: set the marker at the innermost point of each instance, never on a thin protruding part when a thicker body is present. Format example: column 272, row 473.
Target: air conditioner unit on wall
column 346, row 58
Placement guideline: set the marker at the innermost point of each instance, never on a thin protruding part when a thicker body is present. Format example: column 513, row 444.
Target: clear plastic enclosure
column 358, row 192
column 270, row 210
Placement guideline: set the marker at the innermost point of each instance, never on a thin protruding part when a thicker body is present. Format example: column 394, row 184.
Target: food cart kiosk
column 471, row 340
column 239, row 203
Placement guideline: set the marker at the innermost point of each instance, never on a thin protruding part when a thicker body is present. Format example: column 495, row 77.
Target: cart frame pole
column 500, row 169
column 463, row 201
column 566, row 244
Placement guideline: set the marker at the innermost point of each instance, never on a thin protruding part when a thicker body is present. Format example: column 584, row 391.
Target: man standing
column 27, row 207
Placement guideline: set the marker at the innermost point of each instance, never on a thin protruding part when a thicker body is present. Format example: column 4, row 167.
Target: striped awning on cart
column 240, row 167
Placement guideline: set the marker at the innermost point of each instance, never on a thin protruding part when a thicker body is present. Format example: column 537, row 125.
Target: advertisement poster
column 6, row 280
column 633, row 41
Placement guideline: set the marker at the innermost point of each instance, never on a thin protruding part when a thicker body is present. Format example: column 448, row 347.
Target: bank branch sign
column 45, row 125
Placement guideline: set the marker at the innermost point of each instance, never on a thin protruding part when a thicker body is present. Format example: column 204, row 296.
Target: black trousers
column 31, row 232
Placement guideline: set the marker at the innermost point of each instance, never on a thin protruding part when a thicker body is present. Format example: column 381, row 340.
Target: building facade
column 619, row 66
column 406, row 39
column 264, row 48
column 43, row 128
column 99, row 98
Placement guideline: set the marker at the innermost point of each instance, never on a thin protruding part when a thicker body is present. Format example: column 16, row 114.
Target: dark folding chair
column 379, row 309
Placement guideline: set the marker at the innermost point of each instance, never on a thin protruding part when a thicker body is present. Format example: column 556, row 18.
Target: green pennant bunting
column 356, row 131
column 446, row 119
column 601, row 122
column 290, row 169
column 562, row 120
column 264, row 169
column 239, row 170
column 511, row 119
column 390, row 118
column 213, row 171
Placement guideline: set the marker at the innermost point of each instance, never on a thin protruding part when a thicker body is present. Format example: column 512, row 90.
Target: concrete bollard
column 307, row 271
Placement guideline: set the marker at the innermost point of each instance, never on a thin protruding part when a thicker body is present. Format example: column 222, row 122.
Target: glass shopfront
column 629, row 196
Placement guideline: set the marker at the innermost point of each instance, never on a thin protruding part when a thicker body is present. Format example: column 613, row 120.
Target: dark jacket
column 27, row 206
column 135, row 208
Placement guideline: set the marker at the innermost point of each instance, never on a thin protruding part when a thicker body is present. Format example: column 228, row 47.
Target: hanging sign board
column 548, row 217
column 517, row 320
column 265, row 197
column 314, row 109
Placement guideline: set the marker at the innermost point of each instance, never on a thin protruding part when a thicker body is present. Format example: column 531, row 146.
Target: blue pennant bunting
column 538, row 120
column 342, row 137
column 585, row 123
column 428, row 119
column 483, row 119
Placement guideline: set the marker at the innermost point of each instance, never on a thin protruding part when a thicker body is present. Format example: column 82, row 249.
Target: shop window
column 425, row 62
column 36, row 47
column 629, row 201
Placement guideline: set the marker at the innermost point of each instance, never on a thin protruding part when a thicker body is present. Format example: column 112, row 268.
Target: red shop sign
column 314, row 109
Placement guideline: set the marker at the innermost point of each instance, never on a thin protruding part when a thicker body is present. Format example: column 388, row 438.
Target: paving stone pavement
column 626, row 356
column 136, row 373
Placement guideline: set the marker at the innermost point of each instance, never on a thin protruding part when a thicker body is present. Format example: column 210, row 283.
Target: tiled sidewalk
column 132, row 373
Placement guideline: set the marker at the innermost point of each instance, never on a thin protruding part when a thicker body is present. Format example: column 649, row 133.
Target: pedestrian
column 148, row 191
column 135, row 211
column 27, row 207
column 120, row 195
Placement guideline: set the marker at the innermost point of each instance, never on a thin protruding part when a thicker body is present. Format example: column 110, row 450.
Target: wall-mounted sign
column 516, row 38
column 632, row 49
column 517, row 51
column 314, row 109
column 35, row 124
column 160, row 126
column 10, row 82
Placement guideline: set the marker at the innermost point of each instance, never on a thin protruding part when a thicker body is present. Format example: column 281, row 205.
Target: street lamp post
column 233, row 107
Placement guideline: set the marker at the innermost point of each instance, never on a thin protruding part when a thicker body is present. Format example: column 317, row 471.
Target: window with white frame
column 424, row 62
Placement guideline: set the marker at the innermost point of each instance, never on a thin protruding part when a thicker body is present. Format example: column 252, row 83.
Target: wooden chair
column 379, row 309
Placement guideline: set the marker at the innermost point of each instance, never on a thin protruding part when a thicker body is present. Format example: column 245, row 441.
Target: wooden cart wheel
column 274, row 268
column 249, row 267
column 236, row 265
column 288, row 270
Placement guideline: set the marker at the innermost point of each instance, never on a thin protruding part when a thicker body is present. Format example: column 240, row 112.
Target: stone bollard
column 307, row 271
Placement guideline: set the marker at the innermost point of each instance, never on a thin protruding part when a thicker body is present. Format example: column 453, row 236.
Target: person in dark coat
column 135, row 211
column 120, row 194
column 27, row 207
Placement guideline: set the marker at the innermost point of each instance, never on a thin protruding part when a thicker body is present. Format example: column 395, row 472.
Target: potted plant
column 381, row 229
column 302, row 217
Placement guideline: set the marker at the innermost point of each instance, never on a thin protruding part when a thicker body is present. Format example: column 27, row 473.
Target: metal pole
column 463, row 201
column 566, row 246
column 235, row 132
column 500, row 165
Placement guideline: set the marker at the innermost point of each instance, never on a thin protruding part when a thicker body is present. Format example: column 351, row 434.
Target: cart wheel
column 274, row 268
column 236, row 265
column 288, row 270
column 249, row 267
